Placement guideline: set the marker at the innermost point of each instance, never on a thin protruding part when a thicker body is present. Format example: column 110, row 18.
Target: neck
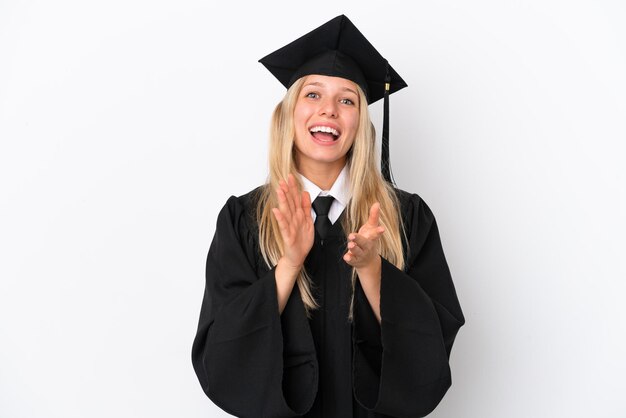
column 323, row 175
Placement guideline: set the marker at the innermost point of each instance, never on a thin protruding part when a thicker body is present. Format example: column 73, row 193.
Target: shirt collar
column 340, row 189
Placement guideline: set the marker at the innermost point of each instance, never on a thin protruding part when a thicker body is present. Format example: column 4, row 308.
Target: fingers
column 306, row 206
column 288, row 190
column 374, row 218
column 363, row 238
column 296, row 199
column 294, row 207
column 283, row 201
column 293, row 217
column 355, row 249
column 363, row 246
column 280, row 218
column 289, row 199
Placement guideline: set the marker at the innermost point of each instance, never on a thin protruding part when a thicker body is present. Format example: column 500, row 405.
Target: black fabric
column 321, row 206
column 332, row 63
column 253, row 362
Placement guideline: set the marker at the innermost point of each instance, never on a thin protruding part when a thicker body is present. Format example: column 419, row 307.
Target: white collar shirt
column 340, row 190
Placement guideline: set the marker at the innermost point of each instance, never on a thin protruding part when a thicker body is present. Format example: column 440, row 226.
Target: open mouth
column 325, row 133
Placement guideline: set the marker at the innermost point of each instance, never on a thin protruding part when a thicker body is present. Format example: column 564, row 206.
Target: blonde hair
column 366, row 184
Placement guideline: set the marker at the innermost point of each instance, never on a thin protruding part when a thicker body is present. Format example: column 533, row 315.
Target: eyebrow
column 318, row 84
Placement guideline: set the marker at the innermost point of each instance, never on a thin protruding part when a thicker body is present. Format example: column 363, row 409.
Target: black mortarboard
column 339, row 49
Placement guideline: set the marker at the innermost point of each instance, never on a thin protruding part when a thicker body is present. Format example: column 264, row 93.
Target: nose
column 328, row 107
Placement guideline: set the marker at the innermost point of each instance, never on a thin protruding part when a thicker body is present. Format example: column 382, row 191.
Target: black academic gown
column 253, row 362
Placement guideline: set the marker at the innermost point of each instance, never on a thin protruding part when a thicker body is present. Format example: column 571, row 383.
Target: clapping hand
column 363, row 246
column 294, row 221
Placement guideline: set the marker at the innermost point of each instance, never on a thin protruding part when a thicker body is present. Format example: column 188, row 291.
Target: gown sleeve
column 250, row 360
column 401, row 366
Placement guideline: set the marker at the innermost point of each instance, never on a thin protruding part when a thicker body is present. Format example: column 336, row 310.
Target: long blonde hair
column 366, row 184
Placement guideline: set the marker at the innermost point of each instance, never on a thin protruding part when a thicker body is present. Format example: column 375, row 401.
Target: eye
column 312, row 95
column 346, row 102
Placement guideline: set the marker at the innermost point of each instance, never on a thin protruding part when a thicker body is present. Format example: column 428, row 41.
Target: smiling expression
column 326, row 118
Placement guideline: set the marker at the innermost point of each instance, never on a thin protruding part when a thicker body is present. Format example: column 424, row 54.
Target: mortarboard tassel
column 385, row 165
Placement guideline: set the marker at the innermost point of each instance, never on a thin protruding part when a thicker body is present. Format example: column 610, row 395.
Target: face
column 326, row 119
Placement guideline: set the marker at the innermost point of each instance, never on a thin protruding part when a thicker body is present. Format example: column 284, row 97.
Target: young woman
column 343, row 307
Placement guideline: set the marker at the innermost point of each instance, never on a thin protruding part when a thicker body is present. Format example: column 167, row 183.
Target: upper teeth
column 326, row 129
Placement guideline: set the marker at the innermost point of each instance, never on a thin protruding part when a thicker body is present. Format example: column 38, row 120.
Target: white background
column 125, row 126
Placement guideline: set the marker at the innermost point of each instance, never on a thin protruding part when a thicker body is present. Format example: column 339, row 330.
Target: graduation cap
column 339, row 49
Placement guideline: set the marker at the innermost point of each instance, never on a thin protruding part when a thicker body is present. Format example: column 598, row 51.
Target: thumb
column 374, row 218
